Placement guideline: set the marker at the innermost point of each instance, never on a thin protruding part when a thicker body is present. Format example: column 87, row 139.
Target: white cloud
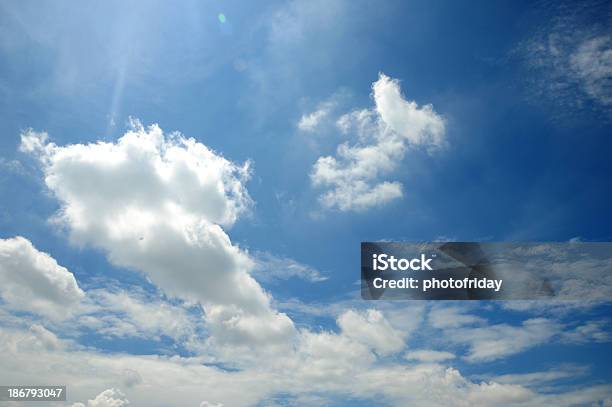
column 371, row 328
column 119, row 313
column 488, row 342
column 325, row 354
column 33, row 281
column 429, row 356
column 157, row 203
column 233, row 326
column 108, row 398
column 160, row 380
column 452, row 317
column 311, row 121
column 420, row 126
column 32, row 141
column 492, row 394
column 353, row 178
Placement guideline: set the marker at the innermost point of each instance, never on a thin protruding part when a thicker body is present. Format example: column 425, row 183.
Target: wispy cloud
column 494, row 342
column 537, row 379
column 269, row 266
column 569, row 58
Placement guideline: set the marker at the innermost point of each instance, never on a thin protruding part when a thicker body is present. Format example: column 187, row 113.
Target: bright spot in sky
column 221, row 17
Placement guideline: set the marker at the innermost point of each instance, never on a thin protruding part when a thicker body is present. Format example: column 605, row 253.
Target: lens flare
column 222, row 18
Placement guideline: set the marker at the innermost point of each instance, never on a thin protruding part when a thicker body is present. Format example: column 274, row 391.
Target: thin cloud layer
column 592, row 62
column 569, row 59
column 354, row 179
column 269, row 267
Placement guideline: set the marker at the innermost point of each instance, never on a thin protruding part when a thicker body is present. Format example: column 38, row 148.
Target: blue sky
column 515, row 147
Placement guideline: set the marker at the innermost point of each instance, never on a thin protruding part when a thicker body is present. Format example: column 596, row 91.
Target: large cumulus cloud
column 158, row 203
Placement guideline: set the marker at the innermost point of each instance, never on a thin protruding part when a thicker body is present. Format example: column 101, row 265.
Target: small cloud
column 108, row 398
column 34, row 142
column 353, row 179
column 311, row 121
